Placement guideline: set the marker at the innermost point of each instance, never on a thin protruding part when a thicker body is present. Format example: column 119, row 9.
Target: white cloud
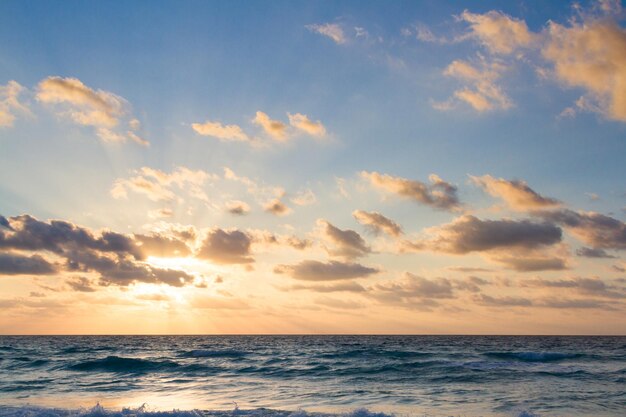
column 481, row 91
column 220, row 131
column 438, row 194
column 517, row 194
column 498, row 32
column 591, row 55
column 304, row 198
column 275, row 128
column 9, row 103
column 102, row 110
column 158, row 185
column 330, row 30
column 302, row 122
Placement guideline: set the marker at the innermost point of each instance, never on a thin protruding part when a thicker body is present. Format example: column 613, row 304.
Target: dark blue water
column 405, row 375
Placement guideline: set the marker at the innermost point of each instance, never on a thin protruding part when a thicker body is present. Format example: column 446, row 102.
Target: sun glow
column 189, row 265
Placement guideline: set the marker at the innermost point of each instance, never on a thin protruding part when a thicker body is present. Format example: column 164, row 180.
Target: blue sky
column 406, row 89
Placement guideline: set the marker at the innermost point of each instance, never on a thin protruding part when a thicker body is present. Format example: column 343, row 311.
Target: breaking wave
column 145, row 411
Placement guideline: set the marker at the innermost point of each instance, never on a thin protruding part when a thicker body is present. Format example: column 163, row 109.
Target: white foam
column 145, row 411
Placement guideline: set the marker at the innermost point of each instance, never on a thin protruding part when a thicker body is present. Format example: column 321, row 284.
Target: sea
column 305, row 376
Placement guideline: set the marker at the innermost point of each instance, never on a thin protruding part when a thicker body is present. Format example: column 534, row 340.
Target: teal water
column 402, row 375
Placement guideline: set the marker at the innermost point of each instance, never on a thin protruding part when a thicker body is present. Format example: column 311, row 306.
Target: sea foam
column 145, row 411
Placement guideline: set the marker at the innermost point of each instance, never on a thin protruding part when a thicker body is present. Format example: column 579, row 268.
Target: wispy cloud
column 10, row 103
column 438, row 194
column 220, row 131
column 330, row 30
column 516, row 193
column 104, row 111
column 481, row 92
column 377, row 223
column 158, row 185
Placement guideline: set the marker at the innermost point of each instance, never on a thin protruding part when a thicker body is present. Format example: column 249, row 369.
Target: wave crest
column 121, row 364
column 145, row 411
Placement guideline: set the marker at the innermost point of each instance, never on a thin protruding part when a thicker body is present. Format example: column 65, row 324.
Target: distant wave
column 202, row 353
column 144, row 411
column 534, row 356
column 84, row 349
column 391, row 354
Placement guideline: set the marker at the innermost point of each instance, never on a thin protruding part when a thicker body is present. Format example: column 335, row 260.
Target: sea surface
column 280, row 376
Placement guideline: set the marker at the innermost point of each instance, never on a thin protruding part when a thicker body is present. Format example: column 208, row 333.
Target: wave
column 123, row 365
column 84, row 349
column 534, row 356
column 226, row 353
column 388, row 354
column 145, row 411
column 7, row 348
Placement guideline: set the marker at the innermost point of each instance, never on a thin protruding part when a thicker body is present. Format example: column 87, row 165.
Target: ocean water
column 298, row 376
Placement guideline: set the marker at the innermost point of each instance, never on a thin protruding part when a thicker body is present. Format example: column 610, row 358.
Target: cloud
column 158, row 185
column 481, row 92
column 9, row 103
column 424, row 34
column 517, row 194
column 469, row 234
column 80, row 284
column 160, row 213
column 57, row 236
column 591, row 54
column 220, row 131
column 439, row 194
column 472, row 284
column 238, row 208
column 304, row 198
column 593, row 253
column 498, row 32
column 412, row 286
column 523, row 263
column 310, row 270
column 303, row 123
column 487, row 300
column 161, row 245
column 347, row 286
column 14, row 264
column 277, row 208
column 99, row 109
column 258, row 190
column 377, row 223
column 346, row 243
column 330, row 30
column 468, row 269
column 276, row 129
column 226, row 247
column 575, row 304
column 594, row 229
column 337, row 303
column 121, row 269
column 266, row 238
column 116, row 257
column 584, row 286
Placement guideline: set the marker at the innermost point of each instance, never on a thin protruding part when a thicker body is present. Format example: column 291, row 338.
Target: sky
column 282, row 167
